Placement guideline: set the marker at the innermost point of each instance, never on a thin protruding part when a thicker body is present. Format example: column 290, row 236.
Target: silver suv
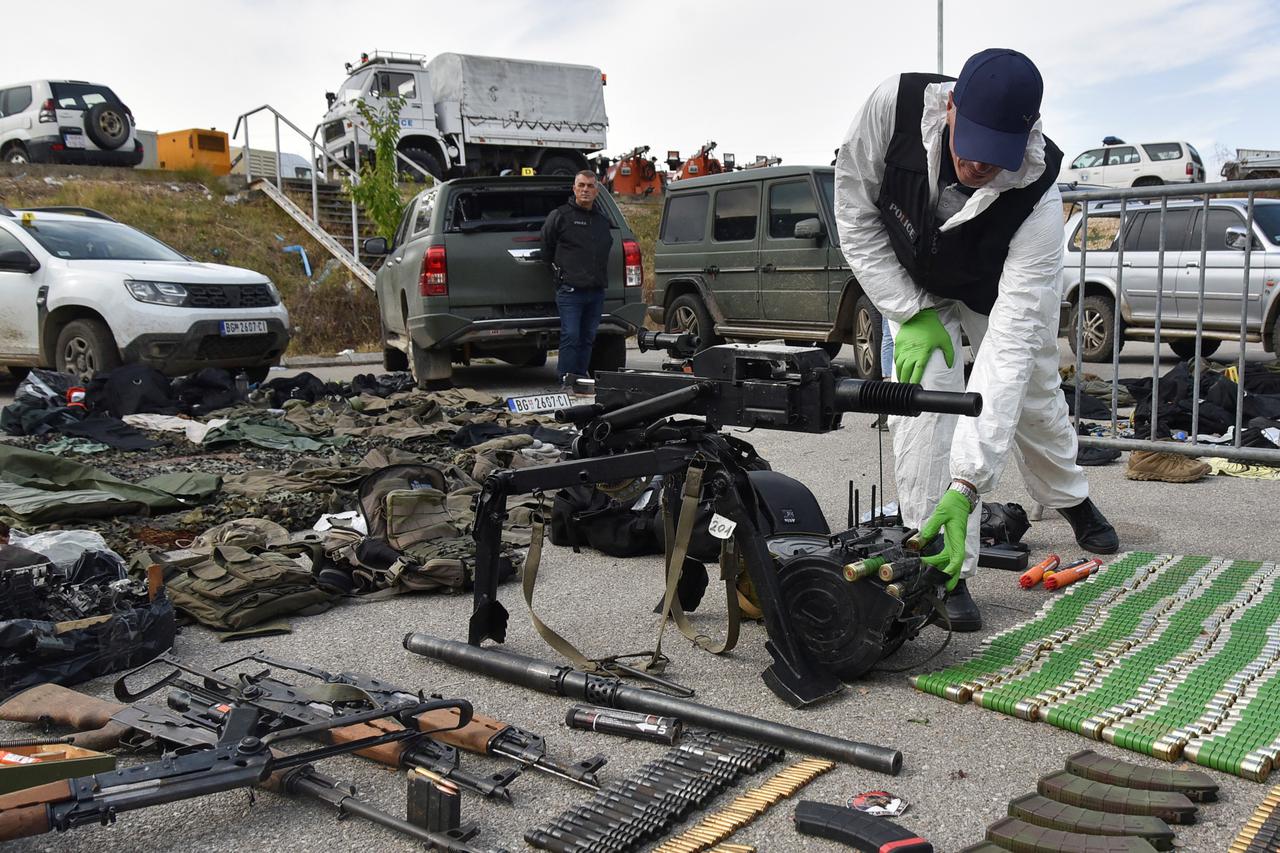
column 1177, row 280
column 66, row 121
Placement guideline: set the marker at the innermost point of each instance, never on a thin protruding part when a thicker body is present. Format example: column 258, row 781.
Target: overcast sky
column 757, row 77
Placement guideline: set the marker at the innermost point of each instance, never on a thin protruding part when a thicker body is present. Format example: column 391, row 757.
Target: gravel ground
column 962, row 765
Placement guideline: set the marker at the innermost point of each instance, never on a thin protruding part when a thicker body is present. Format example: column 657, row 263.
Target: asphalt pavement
column 962, row 764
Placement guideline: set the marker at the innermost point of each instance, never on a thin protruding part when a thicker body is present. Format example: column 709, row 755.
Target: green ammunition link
column 863, row 568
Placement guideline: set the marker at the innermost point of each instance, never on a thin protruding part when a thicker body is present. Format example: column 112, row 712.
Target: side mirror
column 809, row 229
column 16, row 260
column 375, row 246
column 1236, row 238
column 329, row 98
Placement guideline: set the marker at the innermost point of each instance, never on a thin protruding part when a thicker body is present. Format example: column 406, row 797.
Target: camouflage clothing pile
column 280, row 470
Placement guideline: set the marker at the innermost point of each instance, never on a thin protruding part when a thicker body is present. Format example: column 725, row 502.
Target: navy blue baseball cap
column 997, row 101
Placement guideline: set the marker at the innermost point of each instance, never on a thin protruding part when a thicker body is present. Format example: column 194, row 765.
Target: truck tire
column 84, row 348
column 868, row 329
column 686, row 313
column 107, row 125
column 559, row 165
column 1100, row 328
column 432, row 369
column 394, row 360
column 16, row 153
column 608, row 354
column 1185, row 348
column 423, row 158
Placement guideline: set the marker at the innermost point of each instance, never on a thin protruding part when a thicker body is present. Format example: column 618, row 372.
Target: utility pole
column 939, row 36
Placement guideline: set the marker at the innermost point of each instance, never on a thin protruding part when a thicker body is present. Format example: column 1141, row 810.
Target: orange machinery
column 185, row 149
column 699, row 164
column 634, row 174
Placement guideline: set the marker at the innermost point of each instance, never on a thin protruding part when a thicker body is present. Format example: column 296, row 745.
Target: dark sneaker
column 1096, row 455
column 962, row 610
column 1093, row 531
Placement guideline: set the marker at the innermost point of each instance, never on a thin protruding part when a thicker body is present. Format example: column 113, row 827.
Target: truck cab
column 373, row 80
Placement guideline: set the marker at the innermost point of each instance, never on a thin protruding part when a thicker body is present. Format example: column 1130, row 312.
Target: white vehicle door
column 1224, row 274
column 1123, row 166
column 13, row 105
column 404, row 84
column 19, row 295
column 1087, row 168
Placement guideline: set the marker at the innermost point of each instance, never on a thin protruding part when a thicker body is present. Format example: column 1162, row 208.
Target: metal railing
column 319, row 156
column 1104, row 200
column 324, row 158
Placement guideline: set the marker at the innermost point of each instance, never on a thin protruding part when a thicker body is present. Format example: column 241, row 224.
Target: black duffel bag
column 55, row 634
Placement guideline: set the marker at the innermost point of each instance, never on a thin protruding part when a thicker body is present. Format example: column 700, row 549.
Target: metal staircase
column 317, row 230
column 335, row 220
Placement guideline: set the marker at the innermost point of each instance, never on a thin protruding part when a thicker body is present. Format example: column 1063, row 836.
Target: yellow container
column 185, row 149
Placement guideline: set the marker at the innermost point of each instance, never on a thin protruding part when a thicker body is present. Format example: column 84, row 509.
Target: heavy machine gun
column 833, row 604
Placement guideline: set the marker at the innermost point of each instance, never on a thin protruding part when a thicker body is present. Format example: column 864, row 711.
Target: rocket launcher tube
column 1036, row 573
column 1070, row 575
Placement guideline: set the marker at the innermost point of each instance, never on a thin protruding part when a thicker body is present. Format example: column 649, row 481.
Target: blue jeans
column 579, row 318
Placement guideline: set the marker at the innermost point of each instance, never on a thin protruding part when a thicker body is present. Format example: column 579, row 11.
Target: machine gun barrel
column 647, row 411
column 547, row 677
column 898, row 398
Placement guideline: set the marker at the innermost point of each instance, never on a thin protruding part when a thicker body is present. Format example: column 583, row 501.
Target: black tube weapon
column 547, row 677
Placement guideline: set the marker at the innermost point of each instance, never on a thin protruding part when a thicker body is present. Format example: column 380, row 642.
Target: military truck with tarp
column 467, row 115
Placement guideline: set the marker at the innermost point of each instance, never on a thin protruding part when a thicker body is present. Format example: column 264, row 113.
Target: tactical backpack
column 241, row 574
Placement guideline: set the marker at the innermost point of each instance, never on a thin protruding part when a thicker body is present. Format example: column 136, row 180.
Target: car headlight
column 157, row 292
column 275, row 294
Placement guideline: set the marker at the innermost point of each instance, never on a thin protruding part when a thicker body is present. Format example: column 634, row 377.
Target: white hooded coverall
column 1016, row 362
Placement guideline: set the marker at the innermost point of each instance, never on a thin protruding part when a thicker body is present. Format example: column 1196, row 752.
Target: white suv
column 81, row 293
column 1117, row 164
column 66, row 121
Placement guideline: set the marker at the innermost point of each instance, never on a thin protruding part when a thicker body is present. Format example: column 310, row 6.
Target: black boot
column 962, row 610
column 1093, row 531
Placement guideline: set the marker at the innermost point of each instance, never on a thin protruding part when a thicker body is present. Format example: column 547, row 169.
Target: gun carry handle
column 386, row 753
column 26, row 813
column 475, row 736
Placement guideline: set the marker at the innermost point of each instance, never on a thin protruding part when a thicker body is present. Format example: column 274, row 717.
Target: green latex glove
column 951, row 516
column 915, row 342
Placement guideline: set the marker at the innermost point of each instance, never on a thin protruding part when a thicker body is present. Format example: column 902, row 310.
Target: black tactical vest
column 964, row 263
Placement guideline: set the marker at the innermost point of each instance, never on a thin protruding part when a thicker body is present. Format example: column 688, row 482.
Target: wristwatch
column 968, row 491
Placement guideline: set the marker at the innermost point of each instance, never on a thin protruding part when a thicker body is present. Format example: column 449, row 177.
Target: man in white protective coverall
column 950, row 218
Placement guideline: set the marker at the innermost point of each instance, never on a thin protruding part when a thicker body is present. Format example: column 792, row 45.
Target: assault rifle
column 633, row 431
column 235, row 751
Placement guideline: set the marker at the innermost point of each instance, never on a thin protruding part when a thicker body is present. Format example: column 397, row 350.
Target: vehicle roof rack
column 383, row 57
column 87, row 212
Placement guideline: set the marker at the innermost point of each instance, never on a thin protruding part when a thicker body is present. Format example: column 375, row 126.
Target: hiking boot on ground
column 962, row 610
column 1164, row 467
column 1093, row 531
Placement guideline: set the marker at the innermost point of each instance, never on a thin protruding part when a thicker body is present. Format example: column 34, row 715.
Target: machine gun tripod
column 632, row 431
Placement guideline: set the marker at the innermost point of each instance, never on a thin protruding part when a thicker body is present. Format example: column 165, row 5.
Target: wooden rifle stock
column 89, row 716
column 26, row 813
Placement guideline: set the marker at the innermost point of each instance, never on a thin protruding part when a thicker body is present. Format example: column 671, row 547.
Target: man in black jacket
column 576, row 240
